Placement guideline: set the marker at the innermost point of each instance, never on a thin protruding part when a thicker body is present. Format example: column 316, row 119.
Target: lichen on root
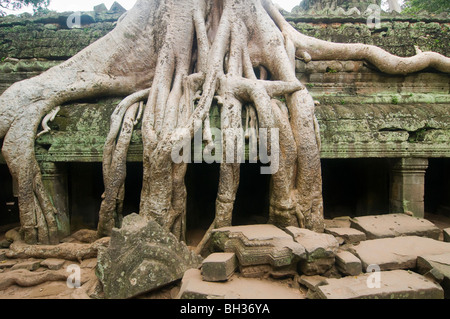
column 174, row 59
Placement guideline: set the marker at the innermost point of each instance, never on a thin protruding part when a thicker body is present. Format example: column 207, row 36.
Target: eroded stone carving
column 142, row 256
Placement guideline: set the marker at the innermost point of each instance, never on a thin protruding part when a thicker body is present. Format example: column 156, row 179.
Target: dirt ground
column 90, row 287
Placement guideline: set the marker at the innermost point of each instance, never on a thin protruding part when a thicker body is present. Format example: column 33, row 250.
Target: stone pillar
column 444, row 207
column 408, row 186
column 55, row 182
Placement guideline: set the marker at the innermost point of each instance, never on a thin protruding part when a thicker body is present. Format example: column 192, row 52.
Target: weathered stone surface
column 259, row 248
column 53, row 264
column 193, row 287
column 320, row 250
column 436, row 267
column 311, row 283
column 142, row 256
column 348, row 264
column 447, row 235
column 219, row 267
column 396, row 284
column 338, row 222
column 349, row 235
column 397, row 253
column 31, row 265
column 395, row 225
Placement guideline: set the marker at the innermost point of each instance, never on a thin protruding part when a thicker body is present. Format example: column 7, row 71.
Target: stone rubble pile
column 385, row 256
column 391, row 256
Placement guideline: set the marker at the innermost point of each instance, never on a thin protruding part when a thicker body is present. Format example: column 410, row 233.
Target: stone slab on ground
column 312, row 282
column 349, row 235
column 219, row 267
column 436, row 267
column 53, row 264
column 447, row 235
column 193, row 287
column 395, row 284
column 259, row 248
column 338, row 222
column 348, row 264
column 395, row 225
column 31, row 265
column 398, row 252
column 141, row 257
column 320, row 250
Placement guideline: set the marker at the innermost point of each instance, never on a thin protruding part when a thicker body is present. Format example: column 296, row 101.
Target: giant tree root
column 173, row 59
column 26, row 278
column 66, row 251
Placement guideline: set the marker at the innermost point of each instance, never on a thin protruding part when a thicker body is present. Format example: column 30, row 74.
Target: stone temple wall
column 363, row 114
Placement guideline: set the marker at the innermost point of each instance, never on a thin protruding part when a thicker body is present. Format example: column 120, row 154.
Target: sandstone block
column 395, row 284
column 349, row 235
column 320, row 250
column 260, row 249
column 53, row 264
column 219, row 267
column 397, row 253
column 348, row 264
column 142, row 256
column 395, row 225
column 437, row 267
column 193, row 287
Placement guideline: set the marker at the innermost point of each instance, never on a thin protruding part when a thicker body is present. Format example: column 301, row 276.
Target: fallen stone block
column 311, row 283
column 436, row 267
column 398, row 252
column 142, row 256
column 338, row 222
column 53, row 264
column 349, row 235
column 27, row 265
column 260, row 249
column 219, row 267
column 348, row 264
column 395, row 225
column 193, row 287
column 447, row 235
column 320, row 250
column 395, row 284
